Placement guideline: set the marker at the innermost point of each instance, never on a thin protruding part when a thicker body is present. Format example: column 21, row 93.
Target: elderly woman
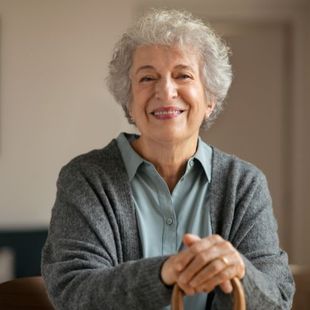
column 163, row 207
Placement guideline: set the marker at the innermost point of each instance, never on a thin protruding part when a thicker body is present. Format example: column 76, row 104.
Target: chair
column 24, row 294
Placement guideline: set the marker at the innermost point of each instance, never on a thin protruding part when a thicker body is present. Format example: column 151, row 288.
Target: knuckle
column 210, row 286
column 228, row 244
column 213, row 251
column 216, row 238
column 223, row 276
column 204, row 258
column 237, row 258
column 200, row 259
column 240, row 270
column 195, row 249
column 187, row 289
column 204, row 287
column 215, row 267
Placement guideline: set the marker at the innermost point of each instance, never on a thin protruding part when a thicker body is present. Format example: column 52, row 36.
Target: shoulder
column 97, row 157
column 229, row 164
column 102, row 163
column 236, row 177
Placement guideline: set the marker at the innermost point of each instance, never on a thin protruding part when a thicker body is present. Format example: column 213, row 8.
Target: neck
column 169, row 159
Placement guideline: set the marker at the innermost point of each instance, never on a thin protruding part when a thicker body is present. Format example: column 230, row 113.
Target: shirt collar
column 204, row 156
column 133, row 160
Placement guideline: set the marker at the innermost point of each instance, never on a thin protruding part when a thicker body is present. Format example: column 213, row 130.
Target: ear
column 129, row 106
column 210, row 107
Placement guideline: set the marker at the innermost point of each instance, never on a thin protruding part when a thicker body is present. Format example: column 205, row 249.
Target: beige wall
column 307, row 132
column 54, row 105
column 302, row 181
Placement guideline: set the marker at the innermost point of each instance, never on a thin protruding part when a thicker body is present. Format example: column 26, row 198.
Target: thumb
column 189, row 239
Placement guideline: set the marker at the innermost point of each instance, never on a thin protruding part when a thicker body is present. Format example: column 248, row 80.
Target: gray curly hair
column 170, row 27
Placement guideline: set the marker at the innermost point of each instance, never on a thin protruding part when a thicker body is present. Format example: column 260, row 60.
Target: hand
column 205, row 263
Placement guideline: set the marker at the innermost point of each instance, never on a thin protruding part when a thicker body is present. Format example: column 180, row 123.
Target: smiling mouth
column 167, row 113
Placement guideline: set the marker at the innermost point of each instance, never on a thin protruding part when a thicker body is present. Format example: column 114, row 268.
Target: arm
column 83, row 260
column 252, row 230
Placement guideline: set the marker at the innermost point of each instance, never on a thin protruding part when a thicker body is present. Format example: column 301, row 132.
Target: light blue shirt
column 164, row 217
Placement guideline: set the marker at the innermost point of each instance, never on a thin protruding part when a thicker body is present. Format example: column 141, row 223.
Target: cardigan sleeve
column 249, row 224
column 83, row 261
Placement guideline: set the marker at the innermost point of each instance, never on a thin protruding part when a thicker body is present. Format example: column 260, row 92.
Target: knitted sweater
column 92, row 258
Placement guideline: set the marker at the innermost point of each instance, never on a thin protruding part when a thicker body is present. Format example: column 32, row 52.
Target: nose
column 166, row 90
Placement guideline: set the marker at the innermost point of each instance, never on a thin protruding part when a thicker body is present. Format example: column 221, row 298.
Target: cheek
column 135, row 100
column 137, row 107
column 196, row 97
column 142, row 99
column 138, row 91
column 134, row 107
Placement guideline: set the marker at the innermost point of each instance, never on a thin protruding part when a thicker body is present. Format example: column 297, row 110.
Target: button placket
column 169, row 221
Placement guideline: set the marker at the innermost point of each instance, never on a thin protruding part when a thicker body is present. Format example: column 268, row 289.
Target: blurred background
column 54, row 105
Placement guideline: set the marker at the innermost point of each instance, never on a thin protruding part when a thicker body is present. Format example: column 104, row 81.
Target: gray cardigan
column 92, row 258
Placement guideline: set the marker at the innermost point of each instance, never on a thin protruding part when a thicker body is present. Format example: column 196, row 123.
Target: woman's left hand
column 205, row 264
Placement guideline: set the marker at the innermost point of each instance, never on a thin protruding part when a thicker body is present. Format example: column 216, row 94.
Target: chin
column 171, row 136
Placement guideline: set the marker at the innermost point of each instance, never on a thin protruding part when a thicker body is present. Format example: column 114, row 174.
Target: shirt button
column 169, row 221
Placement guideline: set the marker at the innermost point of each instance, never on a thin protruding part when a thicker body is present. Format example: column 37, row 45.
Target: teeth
column 170, row 112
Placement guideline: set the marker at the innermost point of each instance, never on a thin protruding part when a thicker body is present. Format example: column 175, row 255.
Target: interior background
column 54, row 104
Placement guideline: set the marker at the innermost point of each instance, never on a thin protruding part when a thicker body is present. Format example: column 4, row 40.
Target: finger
column 190, row 239
column 188, row 290
column 174, row 265
column 184, row 258
column 194, row 245
column 216, row 266
column 169, row 271
column 204, row 253
column 218, row 279
column 226, row 287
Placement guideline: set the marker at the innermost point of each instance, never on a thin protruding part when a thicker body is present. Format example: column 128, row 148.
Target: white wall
column 54, row 104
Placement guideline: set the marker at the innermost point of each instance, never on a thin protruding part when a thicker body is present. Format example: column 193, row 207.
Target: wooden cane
column 238, row 296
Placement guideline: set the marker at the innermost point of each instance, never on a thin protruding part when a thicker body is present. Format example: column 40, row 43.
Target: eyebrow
column 145, row 67
column 184, row 67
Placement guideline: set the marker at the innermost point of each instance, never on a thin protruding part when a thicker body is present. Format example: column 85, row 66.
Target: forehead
column 162, row 56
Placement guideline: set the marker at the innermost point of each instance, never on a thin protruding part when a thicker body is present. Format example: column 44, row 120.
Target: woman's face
column 168, row 97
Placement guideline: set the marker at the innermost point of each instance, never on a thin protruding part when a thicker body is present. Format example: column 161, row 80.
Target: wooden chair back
column 24, row 293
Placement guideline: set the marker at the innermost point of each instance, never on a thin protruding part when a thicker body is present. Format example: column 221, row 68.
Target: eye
column 146, row 79
column 184, row 76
